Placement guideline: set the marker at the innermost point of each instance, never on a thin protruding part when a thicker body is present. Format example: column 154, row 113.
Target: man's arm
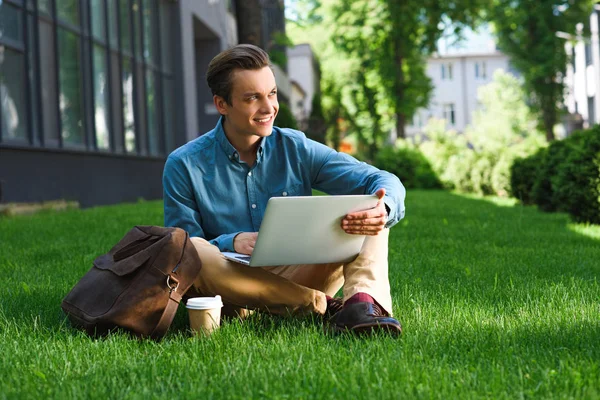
column 338, row 173
column 180, row 207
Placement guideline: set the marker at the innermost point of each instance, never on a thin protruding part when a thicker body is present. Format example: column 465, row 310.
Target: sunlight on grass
column 496, row 200
column 591, row 231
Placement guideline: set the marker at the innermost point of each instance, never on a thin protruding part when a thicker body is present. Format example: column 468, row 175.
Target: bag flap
column 122, row 267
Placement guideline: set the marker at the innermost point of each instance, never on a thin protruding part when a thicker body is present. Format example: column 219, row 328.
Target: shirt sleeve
column 340, row 174
column 180, row 207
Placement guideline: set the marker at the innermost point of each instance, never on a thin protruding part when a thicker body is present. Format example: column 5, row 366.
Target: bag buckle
column 175, row 284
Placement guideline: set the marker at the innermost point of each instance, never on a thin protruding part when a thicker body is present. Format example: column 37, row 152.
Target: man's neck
column 246, row 145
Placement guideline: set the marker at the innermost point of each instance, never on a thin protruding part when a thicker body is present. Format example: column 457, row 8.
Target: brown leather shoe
column 334, row 305
column 365, row 318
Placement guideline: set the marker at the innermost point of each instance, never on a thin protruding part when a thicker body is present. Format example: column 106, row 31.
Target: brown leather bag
column 137, row 286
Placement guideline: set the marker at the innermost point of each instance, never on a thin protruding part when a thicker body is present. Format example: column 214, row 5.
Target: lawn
column 496, row 300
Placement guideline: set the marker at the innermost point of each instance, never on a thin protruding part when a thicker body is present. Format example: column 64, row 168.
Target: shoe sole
column 369, row 329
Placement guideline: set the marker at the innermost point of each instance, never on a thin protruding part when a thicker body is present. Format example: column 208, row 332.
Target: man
column 217, row 186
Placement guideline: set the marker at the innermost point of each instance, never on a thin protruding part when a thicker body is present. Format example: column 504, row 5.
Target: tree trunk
column 399, row 90
column 549, row 118
column 400, row 125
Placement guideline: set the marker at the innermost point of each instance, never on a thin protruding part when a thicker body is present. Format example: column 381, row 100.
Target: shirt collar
column 229, row 150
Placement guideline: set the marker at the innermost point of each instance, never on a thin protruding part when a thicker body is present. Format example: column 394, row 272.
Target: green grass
column 497, row 301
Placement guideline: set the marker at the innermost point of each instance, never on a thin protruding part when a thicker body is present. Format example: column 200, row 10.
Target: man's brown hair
column 242, row 56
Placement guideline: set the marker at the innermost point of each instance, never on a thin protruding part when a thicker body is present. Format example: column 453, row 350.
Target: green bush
column 523, row 174
column 563, row 177
column 479, row 159
column 285, row 118
column 576, row 184
column 409, row 165
column 543, row 187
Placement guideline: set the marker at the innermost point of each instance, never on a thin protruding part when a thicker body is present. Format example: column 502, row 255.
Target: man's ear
column 221, row 104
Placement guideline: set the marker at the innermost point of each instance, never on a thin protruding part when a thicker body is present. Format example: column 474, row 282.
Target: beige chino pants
column 294, row 288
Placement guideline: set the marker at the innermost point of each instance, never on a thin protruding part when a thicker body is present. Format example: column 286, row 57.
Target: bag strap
column 167, row 317
column 174, row 298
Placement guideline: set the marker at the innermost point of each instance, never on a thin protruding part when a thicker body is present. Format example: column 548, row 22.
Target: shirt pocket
column 288, row 189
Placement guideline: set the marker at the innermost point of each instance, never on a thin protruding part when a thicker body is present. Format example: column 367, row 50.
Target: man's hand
column 368, row 222
column 244, row 242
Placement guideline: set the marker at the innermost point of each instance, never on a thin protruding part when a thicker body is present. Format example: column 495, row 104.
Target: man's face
column 253, row 105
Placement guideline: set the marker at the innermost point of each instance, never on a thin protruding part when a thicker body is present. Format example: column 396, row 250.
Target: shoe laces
column 334, row 306
column 378, row 311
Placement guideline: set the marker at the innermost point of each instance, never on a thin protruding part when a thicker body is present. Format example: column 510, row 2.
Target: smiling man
column 217, row 186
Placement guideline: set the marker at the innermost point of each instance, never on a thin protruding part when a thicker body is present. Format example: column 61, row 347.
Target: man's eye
column 252, row 98
column 273, row 93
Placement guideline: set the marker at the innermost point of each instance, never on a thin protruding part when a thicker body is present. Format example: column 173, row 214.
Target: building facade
column 582, row 98
column 94, row 94
column 303, row 70
column 456, row 80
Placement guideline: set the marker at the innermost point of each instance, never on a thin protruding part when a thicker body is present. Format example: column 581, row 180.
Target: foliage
column 479, row 160
column 526, row 31
column 409, row 165
column 285, row 118
column 373, row 57
column 566, row 177
column 523, row 173
column 390, row 40
column 317, row 125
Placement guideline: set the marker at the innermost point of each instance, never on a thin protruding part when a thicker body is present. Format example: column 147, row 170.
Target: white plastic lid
column 204, row 303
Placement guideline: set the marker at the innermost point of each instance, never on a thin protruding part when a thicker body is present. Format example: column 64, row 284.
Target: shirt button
column 249, row 173
column 253, row 205
column 284, row 193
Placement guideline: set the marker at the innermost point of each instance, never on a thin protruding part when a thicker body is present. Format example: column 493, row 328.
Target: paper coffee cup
column 204, row 313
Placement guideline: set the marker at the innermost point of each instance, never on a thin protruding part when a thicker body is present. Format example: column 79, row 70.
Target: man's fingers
column 365, row 222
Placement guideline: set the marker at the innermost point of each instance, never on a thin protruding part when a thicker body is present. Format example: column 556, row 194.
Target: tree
column 392, row 39
column 526, row 31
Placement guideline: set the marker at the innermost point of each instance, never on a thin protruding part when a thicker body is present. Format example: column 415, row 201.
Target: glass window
column 449, row 113
column 70, row 87
column 11, row 94
column 44, row 6
column 476, row 70
column 128, row 120
column 168, row 98
column 48, row 84
column 450, row 71
column 113, row 16
column 125, row 23
column 483, row 70
column 68, row 10
column 140, row 91
column 166, row 35
column 97, row 14
column 154, row 145
column 137, row 27
column 443, row 71
column 150, row 52
column 116, row 102
column 101, row 98
column 11, row 24
column 32, row 76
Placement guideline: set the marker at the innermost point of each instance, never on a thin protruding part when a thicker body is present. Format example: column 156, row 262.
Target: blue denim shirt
column 210, row 193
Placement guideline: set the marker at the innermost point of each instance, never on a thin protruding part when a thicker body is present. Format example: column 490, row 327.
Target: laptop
column 306, row 230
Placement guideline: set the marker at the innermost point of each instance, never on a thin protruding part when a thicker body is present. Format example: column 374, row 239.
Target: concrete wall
column 301, row 69
column 30, row 175
column 205, row 31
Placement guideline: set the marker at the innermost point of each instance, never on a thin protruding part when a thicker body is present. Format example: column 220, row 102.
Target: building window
column 93, row 75
column 588, row 54
column 449, row 113
column 480, row 70
column 591, row 111
column 447, row 71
